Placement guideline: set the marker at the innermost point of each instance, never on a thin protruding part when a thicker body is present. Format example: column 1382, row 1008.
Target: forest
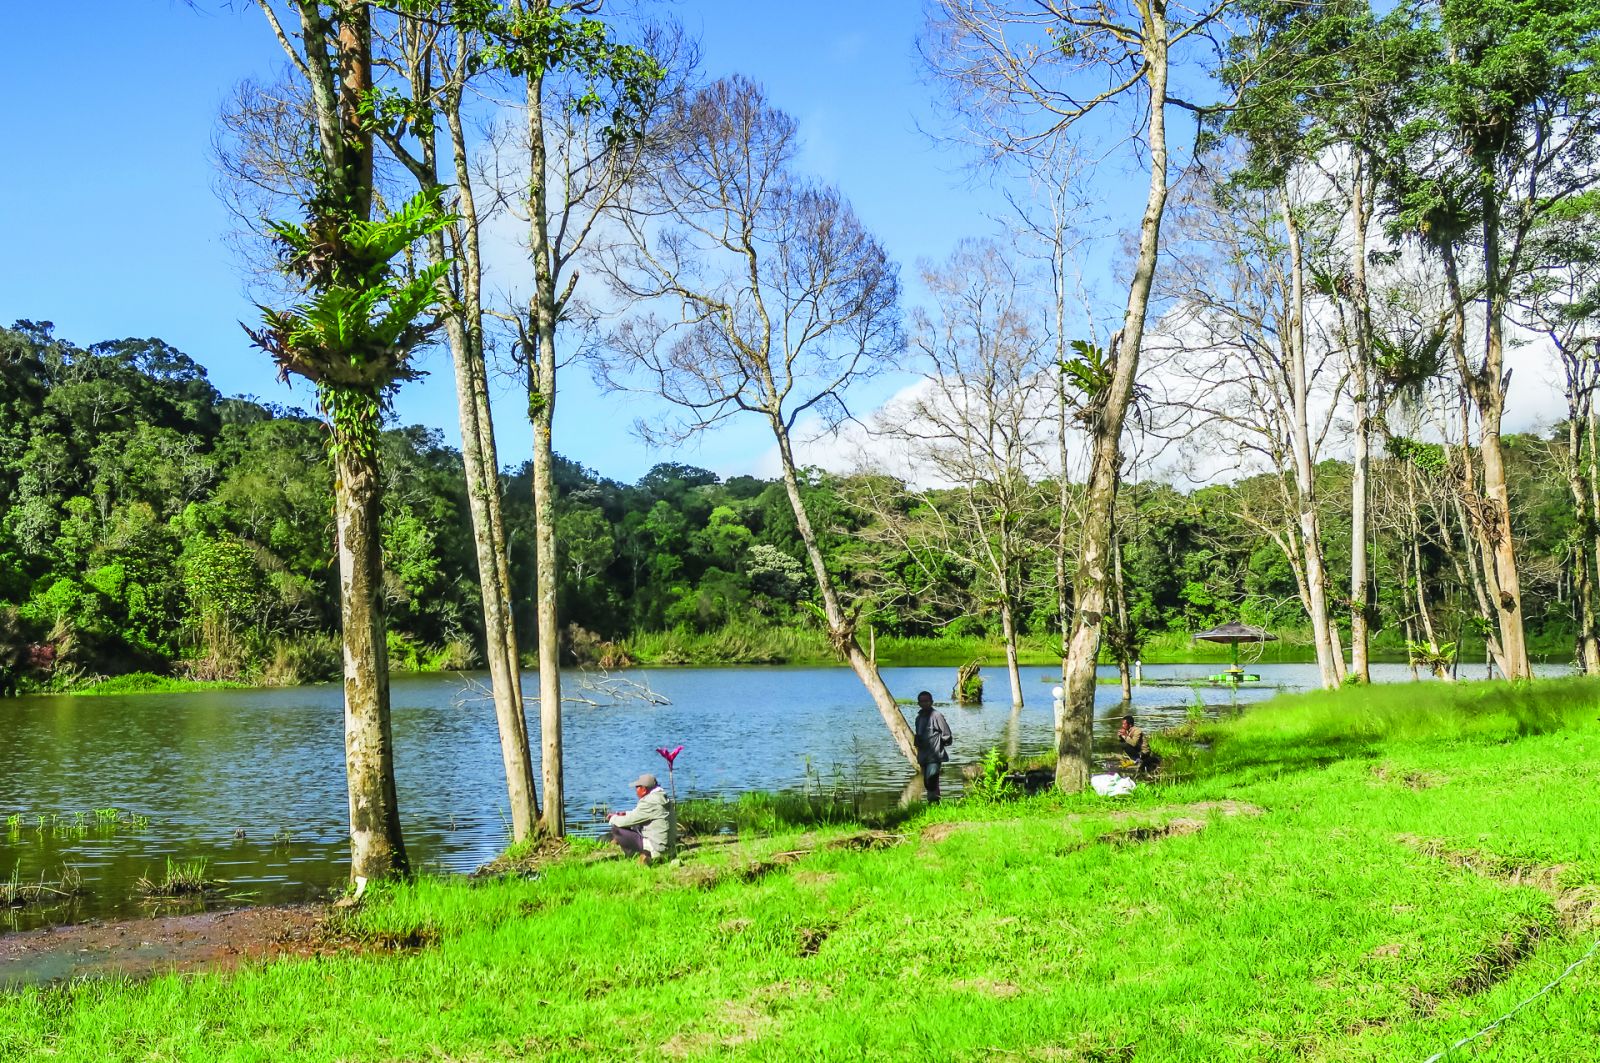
column 152, row 524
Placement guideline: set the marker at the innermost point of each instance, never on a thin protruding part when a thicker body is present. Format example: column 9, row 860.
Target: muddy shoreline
column 143, row 948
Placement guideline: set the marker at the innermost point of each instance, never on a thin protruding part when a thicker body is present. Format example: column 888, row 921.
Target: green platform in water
column 1233, row 675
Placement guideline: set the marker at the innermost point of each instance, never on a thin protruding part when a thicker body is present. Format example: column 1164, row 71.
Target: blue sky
column 112, row 227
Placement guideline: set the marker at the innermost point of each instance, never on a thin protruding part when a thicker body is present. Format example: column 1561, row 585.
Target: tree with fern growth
column 353, row 335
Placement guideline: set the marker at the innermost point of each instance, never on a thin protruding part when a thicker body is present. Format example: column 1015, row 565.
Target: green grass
column 182, row 878
column 1380, row 903
column 150, row 683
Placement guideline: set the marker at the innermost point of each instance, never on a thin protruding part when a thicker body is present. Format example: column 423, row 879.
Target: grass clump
column 16, row 893
column 182, row 878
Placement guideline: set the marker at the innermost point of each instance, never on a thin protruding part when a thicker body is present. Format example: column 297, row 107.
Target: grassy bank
column 1364, row 875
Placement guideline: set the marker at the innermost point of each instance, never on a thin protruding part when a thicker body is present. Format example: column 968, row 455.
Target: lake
column 253, row 780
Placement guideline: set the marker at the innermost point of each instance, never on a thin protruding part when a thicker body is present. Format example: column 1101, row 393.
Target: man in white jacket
column 650, row 829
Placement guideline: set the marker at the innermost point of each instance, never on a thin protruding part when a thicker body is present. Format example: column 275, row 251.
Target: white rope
column 1437, row 1056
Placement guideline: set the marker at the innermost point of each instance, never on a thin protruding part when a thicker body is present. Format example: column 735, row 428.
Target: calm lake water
column 253, row 780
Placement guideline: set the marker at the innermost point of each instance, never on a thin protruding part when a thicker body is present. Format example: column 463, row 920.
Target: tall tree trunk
column 1008, row 631
column 377, row 849
column 1064, row 497
column 464, row 330
column 841, row 629
column 1588, row 647
column 1074, row 731
column 1362, row 443
column 1123, row 626
column 1490, row 510
column 1304, row 470
column 541, row 413
column 1591, row 433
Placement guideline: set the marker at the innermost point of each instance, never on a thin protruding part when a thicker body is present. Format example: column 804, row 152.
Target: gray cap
column 647, row 781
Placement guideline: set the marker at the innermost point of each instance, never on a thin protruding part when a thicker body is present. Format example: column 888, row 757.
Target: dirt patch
column 736, row 1024
column 707, row 877
column 934, row 833
column 938, row 832
column 140, row 948
column 1413, row 780
column 1577, row 907
column 811, row 939
column 1170, row 829
column 988, row 987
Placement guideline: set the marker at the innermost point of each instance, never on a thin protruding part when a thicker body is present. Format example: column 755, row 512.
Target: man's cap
column 647, row 781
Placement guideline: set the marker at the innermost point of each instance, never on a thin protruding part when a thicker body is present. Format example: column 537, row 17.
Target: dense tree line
column 149, row 523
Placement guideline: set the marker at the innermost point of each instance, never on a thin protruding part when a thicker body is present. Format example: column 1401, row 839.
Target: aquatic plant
column 182, row 878
column 15, row 893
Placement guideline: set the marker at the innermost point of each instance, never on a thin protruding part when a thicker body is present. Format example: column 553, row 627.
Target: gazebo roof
column 1236, row 632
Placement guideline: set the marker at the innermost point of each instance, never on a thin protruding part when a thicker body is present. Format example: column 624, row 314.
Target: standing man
column 650, row 830
column 933, row 744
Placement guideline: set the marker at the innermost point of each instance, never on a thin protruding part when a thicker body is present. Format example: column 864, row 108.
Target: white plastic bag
column 1111, row 785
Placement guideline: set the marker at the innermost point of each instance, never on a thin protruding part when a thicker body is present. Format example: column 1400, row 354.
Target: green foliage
column 354, row 337
column 994, row 781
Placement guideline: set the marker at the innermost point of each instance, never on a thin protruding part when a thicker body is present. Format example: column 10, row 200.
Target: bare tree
column 1560, row 302
column 974, row 430
column 1024, row 74
column 756, row 292
column 1259, row 371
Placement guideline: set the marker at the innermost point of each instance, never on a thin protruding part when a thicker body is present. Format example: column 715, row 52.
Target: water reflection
column 253, row 781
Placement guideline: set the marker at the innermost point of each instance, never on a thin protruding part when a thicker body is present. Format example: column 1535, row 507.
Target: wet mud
column 143, row 948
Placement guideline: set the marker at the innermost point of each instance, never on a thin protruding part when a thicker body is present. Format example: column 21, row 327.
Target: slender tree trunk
column 1362, row 442
column 841, row 629
column 1305, row 472
column 1121, row 600
column 541, row 413
column 1064, row 498
column 1074, row 731
column 1008, row 631
column 464, row 329
column 377, row 849
column 1583, row 544
column 1491, row 510
column 1591, row 425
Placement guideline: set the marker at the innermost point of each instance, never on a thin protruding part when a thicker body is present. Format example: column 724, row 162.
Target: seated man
column 1136, row 745
column 650, row 829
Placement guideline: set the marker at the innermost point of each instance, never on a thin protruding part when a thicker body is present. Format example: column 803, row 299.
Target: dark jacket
column 933, row 737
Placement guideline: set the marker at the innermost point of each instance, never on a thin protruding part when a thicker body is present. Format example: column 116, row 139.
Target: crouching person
column 650, row 829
